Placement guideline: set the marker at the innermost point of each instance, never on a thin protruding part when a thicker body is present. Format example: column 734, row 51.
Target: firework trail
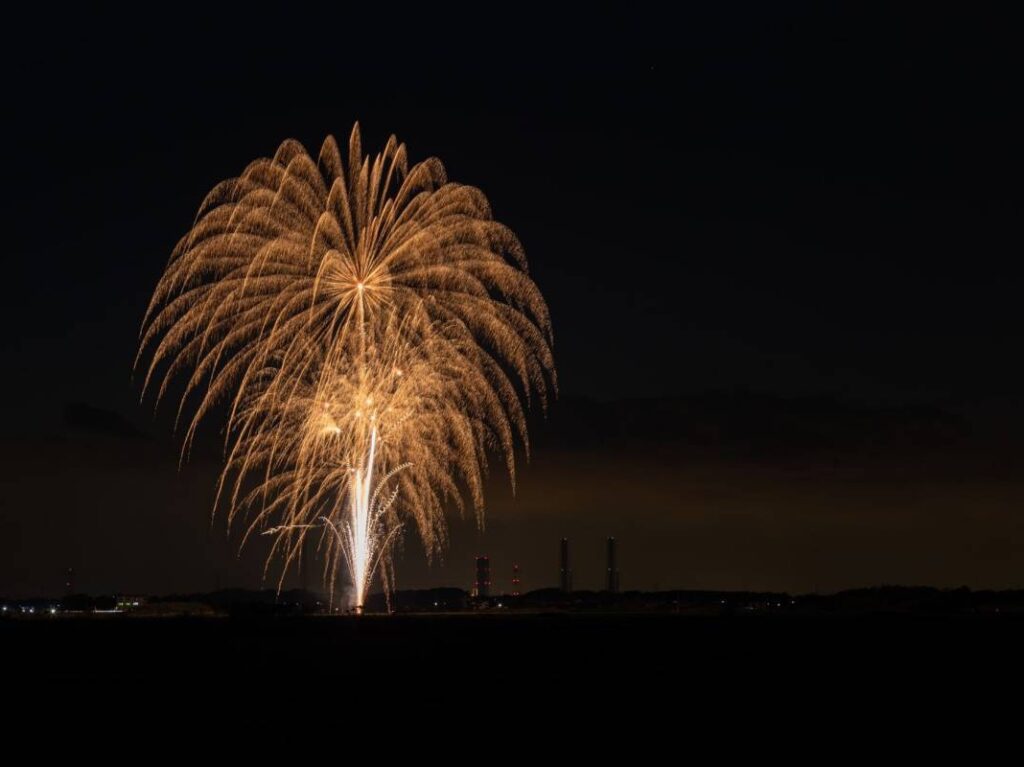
column 374, row 334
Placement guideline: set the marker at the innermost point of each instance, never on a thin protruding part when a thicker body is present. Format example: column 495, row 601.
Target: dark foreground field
column 604, row 650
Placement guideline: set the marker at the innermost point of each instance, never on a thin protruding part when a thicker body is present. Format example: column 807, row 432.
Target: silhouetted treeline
column 914, row 599
column 242, row 602
column 882, row 599
column 422, row 600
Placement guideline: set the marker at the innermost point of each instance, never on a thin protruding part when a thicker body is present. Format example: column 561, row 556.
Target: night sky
column 781, row 248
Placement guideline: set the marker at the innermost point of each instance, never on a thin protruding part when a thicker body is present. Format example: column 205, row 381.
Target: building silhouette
column 483, row 577
column 613, row 570
column 565, row 572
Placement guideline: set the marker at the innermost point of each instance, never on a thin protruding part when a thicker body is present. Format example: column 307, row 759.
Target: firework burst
column 374, row 333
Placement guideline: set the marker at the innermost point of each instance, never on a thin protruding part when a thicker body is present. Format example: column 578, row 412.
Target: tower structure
column 565, row 572
column 613, row 569
column 483, row 577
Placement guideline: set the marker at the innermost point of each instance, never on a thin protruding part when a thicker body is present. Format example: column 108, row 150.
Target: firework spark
column 374, row 333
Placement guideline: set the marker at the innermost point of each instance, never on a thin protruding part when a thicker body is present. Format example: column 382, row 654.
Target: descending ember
column 375, row 333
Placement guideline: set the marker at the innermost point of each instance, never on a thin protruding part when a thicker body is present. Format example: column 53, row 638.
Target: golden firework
column 374, row 332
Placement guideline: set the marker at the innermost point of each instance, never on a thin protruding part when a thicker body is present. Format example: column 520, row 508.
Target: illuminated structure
column 373, row 334
column 613, row 571
column 483, row 577
column 128, row 602
column 515, row 580
column 565, row 573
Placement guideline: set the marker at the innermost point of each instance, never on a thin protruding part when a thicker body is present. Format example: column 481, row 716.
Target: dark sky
column 790, row 238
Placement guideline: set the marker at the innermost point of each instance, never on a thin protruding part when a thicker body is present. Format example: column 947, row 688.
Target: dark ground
column 526, row 650
column 526, row 688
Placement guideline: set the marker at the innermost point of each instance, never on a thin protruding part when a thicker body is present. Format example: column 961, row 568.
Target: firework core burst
column 374, row 336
